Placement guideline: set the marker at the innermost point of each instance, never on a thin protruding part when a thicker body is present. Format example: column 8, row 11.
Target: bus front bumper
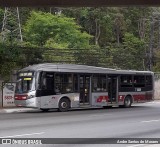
column 31, row 103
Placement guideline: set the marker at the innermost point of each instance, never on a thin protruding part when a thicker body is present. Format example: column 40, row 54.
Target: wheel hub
column 63, row 104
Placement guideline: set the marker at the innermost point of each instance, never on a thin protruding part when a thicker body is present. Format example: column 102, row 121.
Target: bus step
column 84, row 105
column 112, row 104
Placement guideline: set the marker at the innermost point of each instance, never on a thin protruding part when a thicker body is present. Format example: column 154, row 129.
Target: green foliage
column 109, row 37
column 1, row 15
column 157, row 62
column 43, row 27
column 7, row 64
column 131, row 54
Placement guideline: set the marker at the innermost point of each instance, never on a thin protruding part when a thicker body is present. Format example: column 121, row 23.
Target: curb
column 12, row 110
column 2, row 111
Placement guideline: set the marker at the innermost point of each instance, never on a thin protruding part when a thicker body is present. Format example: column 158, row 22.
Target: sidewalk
column 15, row 109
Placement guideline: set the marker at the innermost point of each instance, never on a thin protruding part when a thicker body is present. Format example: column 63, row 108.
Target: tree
column 42, row 27
column 131, row 54
column 8, row 56
column 119, row 27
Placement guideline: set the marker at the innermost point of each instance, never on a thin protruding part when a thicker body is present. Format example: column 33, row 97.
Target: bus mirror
column 18, row 80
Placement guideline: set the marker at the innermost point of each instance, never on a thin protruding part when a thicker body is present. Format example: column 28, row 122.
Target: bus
column 67, row 86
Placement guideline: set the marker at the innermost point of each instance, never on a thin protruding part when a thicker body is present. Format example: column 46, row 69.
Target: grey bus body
column 64, row 86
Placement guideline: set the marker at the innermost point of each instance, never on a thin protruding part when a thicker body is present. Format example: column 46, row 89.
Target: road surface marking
column 22, row 135
column 147, row 121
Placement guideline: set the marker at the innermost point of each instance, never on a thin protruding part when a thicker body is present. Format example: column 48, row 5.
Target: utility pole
column 11, row 28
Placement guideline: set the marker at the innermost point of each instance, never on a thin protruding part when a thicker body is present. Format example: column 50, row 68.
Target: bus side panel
column 137, row 97
column 121, row 97
column 99, row 98
column 143, row 96
column 52, row 101
column 75, row 100
column 150, row 95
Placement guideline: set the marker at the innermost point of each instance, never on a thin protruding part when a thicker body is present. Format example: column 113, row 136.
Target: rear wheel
column 64, row 105
column 127, row 102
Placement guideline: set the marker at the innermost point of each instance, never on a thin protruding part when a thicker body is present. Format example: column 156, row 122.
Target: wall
column 157, row 86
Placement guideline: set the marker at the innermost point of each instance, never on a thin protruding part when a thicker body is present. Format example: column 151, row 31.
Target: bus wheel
column 64, row 105
column 44, row 110
column 127, row 102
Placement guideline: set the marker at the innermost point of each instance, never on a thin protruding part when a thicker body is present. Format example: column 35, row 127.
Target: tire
column 127, row 102
column 44, row 110
column 64, row 105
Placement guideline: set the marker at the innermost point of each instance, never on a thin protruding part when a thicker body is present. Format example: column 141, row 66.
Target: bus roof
column 75, row 68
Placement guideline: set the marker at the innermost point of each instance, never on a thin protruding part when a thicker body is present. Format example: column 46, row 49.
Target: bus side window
column 149, row 80
column 139, row 81
column 48, row 81
column 64, row 83
column 126, row 81
column 44, row 83
column 99, row 83
column 75, row 83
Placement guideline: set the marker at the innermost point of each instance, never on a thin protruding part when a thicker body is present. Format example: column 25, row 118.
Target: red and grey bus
column 66, row 86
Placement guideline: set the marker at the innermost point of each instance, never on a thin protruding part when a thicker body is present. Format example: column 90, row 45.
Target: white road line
column 22, row 135
column 147, row 121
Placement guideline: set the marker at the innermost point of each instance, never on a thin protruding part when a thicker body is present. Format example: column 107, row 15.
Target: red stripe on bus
column 121, row 97
column 147, row 96
column 102, row 98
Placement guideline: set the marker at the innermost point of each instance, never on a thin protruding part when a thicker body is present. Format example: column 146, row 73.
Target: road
column 139, row 121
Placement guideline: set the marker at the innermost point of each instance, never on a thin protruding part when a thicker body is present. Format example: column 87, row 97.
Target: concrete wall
column 157, row 86
column 157, row 90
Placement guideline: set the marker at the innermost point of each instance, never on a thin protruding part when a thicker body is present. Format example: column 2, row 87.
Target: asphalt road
column 139, row 121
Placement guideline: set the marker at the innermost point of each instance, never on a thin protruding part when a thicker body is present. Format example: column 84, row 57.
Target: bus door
column 84, row 88
column 113, row 89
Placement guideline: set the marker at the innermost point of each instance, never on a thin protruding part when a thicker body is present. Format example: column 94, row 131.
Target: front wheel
column 127, row 102
column 64, row 105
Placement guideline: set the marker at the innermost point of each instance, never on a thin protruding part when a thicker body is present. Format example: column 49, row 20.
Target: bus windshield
column 24, row 85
